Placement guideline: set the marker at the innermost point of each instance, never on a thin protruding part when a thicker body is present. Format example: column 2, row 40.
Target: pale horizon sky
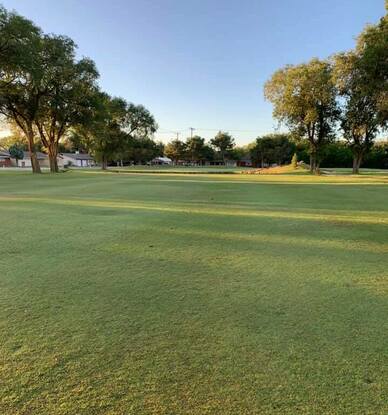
column 202, row 63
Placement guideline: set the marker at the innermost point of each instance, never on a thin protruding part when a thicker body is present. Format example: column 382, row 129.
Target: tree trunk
column 317, row 165
column 357, row 159
column 355, row 165
column 34, row 159
column 52, row 153
column 104, row 163
column 360, row 161
column 53, row 165
column 312, row 162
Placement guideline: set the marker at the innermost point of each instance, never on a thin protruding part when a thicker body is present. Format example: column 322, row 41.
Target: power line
column 228, row 129
column 191, row 129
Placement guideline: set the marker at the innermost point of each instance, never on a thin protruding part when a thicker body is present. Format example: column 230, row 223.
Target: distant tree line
column 272, row 149
column 50, row 96
column 196, row 150
column 279, row 149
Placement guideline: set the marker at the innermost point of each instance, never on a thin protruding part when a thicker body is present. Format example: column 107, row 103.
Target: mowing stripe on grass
column 335, row 218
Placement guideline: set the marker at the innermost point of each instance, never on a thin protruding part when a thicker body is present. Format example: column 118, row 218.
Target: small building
column 221, row 163
column 5, row 159
column 26, row 160
column 245, row 161
column 161, row 161
column 230, row 163
column 75, row 159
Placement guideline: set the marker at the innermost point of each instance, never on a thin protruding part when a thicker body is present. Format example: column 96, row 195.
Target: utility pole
column 192, row 129
column 177, row 135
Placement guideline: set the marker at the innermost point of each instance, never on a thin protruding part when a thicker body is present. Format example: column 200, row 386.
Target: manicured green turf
column 362, row 171
column 181, row 169
column 173, row 294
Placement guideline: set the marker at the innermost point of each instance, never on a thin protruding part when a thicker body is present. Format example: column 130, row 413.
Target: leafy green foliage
column 304, row 98
column 115, row 130
column 175, row 150
column 377, row 158
column 21, row 75
column 15, row 138
column 240, row 152
column 359, row 115
column 195, row 148
column 372, row 49
column 45, row 90
column 272, row 149
column 69, row 86
column 16, row 152
column 101, row 132
column 224, row 143
column 142, row 150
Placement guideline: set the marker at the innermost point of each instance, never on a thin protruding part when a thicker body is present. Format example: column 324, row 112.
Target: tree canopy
column 359, row 118
column 304, row 98
column 272, row 149
column 175, row 150
column 372, row 50
column 21, row 74
column 49, row 94
column 223, row 142
column 68, row 86
column 114, row 129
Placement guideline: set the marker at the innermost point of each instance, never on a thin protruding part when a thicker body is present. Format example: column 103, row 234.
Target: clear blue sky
column 201, row 63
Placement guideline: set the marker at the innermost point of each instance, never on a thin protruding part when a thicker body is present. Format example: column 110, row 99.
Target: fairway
column 131, row 293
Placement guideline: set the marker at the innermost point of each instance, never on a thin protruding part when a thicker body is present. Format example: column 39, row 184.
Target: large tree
column 196, row 148
column 372, row 50
column 138, row 121
column 16, row 151
column 304, row 98
column 175, row 150
column 69, row 86
column 361, row 77
column 261, row 151
column 223, row 142
column 21, row 74
column 141, row 150
column 100, row 130
column 272, row 148
column 360, row 121
column 113, row 128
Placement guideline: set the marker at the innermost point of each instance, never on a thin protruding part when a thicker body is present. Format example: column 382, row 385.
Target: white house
column 26, row 160
column 7, row 161
column 161, row 161
column 75, row 159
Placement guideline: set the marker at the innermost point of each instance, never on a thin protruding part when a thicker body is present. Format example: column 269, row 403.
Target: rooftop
column 77, row 156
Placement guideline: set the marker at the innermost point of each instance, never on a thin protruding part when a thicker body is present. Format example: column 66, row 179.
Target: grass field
column 180, row 169
column 193, row 294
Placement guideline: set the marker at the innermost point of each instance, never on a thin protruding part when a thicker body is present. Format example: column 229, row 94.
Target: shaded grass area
column 363, row 171
column 207, row 170
column 139, row 294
